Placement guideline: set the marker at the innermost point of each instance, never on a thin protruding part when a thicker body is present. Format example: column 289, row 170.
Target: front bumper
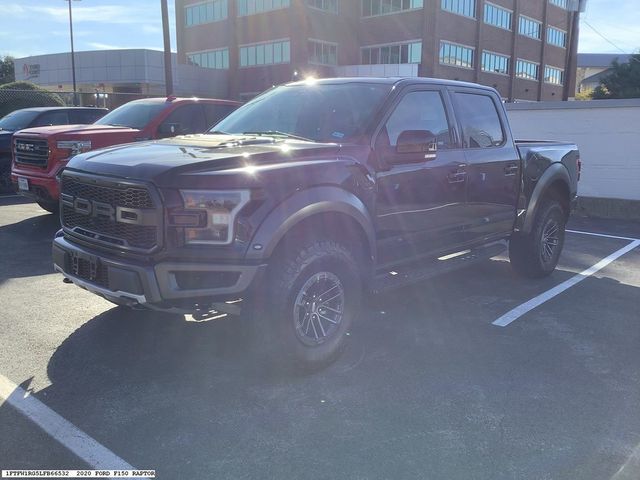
column 43, row 186
column 167, row 286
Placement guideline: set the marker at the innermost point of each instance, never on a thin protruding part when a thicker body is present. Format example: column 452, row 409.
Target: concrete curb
column 608, row 208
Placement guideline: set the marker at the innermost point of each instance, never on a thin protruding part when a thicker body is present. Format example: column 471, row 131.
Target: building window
column 461, row 7
column 559, row 3
column 392, row 54
column 251, row 7
column 553, row 75
column 372, row 8
column 556, row 37
column 527, row 70
column 495, row 63
column 207, row 12
column 270, row 53
column 326, row 5
column 323, row 53
column 497, row 16
column 456, row 55
column 530, row 28
column 217, row 59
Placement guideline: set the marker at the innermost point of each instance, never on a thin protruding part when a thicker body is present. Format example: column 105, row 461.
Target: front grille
column 105, row 229
column 31, row 152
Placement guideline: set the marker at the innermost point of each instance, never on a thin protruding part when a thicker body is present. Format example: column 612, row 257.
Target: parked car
column 38, row 117
column 40, row 154
column 310, row 195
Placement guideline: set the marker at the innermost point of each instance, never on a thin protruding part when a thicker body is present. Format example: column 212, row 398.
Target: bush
column 17, row 95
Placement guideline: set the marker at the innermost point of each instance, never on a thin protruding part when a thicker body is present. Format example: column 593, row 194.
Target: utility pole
column 73, row 57
column 168, row 74
column 575, row 7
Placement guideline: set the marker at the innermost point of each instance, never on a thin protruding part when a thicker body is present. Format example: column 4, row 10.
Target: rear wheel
column 314, row 294
column 51, row 207
column 536, row 255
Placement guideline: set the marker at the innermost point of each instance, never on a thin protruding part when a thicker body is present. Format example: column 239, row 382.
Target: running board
column 408, row 275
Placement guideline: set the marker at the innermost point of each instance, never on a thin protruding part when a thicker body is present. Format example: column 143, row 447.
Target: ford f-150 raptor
column 309, row 196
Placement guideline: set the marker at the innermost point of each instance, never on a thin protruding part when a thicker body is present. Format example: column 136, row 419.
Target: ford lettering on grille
column 111, row 213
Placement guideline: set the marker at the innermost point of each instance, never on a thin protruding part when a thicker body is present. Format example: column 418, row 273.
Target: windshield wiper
column 218, row 132
column 277, row 133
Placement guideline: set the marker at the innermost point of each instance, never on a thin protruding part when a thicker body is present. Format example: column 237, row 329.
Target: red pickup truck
column 40, row 154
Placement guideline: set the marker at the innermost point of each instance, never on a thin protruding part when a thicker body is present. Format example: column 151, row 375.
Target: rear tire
column 50, row 207
column 313, row 296
column 536, row 255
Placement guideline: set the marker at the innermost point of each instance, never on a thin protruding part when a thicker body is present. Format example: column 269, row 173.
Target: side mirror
column 417, row 141
column 169, row 129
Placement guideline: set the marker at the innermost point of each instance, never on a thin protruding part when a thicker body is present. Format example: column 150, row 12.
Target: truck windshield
column 133, row 114
column 320, row 112
column 17, row 120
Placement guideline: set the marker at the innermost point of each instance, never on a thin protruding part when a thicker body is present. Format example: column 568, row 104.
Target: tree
column 623, row 82
column 7, row 70
column 16, row 95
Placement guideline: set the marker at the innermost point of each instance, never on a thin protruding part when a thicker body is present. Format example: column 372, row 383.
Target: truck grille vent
column 31, row 152
column 104, row 229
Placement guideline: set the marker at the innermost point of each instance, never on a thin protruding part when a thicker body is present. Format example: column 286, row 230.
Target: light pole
column 73, row 56
column 168, row 75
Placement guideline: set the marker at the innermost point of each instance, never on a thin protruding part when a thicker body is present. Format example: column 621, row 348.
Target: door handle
column 511, row 170
column 459, row 176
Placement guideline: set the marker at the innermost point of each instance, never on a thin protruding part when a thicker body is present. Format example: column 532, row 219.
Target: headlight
column 220, row 208
column 76, row 146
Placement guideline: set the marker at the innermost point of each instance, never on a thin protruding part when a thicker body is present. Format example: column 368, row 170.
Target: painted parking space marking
column 64, row 432
column 535, row 302
column 603, row 235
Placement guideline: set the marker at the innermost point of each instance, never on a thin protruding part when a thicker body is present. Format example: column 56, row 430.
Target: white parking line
column 602, row 235
column 63, row 431
column 526, row 307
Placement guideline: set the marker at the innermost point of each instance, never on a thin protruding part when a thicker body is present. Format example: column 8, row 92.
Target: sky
column 32, row 27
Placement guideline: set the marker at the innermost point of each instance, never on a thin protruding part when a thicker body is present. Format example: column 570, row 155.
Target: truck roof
column 173, row 99
column 47, row 109
column 395, row 81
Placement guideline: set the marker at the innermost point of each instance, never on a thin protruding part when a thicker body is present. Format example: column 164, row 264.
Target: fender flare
column 302, row 205
column 554, row 172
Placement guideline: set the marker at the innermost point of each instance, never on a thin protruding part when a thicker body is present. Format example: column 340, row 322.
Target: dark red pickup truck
column 40, row 154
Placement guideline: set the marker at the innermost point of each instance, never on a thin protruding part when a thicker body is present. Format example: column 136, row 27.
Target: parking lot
column 430, row 386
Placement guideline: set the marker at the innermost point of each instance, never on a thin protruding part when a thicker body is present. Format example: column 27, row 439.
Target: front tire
column 314, row 294
column 536, row 255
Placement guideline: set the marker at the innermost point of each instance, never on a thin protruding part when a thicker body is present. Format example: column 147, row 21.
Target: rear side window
column 215, row 113
column 481, row 126
column 85, row 116
column 58, row 117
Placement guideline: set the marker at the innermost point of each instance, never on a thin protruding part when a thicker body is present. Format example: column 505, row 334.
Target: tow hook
column 66, row 280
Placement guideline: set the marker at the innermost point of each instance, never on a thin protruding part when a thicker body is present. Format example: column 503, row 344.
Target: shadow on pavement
column 26, row 247
column 426, row 385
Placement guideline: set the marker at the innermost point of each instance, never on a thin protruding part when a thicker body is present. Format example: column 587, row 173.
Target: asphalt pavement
column 427, row 388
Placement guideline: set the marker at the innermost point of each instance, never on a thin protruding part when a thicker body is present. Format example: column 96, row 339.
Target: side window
column 422, row 112
column 85, row 116
column 481, row 126
column 187, row 118
column 215, row 113
column 56, row 117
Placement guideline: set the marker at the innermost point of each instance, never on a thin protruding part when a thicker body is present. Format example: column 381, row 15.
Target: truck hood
column 79, row 131
column 197, row 156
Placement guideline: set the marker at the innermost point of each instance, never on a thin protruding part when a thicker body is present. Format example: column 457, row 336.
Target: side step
column 414, row 273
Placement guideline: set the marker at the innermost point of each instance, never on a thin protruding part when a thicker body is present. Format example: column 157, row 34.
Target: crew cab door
column 493, row 164
column 420, row 207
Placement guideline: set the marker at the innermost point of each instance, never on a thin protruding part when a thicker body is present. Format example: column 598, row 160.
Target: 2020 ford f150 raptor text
column 309, row 196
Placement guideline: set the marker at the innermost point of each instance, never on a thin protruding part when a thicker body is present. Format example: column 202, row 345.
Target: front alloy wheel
column 319, row 308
